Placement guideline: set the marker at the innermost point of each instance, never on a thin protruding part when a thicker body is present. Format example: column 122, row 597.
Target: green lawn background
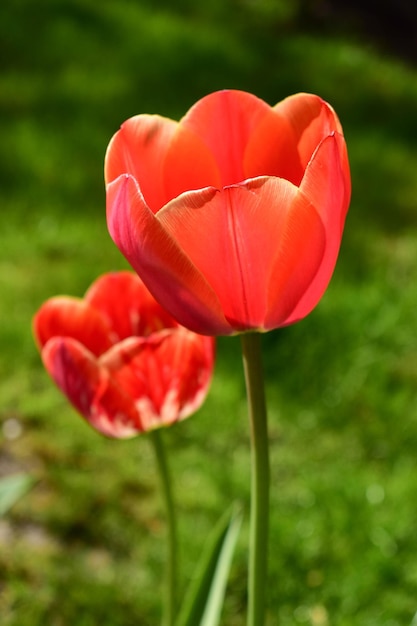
column 86, row 546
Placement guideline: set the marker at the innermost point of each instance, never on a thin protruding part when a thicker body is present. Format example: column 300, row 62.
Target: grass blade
column 12, row 488
column 204, row 600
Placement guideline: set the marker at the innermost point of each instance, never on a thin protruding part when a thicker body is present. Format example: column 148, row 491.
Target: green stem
column 259, row 518
column 171, row 574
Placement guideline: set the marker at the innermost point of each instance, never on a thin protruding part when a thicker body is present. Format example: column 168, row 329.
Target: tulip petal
column 223, row 122
column 272, row 150
column 299, row 253
column 244, row 235
column 167, row 374
column 189, row 164
column 127, row 305
column 72, row 317
column 311, row 118
column 138, row 149
column 165, row 269
column 326, row 185
column 90, row 389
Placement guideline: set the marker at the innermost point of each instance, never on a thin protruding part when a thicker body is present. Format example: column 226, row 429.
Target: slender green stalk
column 259, row 518
column 172, row 565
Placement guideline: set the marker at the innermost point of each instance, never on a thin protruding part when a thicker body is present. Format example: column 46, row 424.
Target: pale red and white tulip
column 123, row 362
column 233, row 217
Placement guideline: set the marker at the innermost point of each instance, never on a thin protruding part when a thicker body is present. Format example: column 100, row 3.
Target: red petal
column 167, row 272
column 72, row 317
column 272, row 150
column 167, row 374
column 311, row 119
column 90, row 389
column 189, row 164
column 138, row 149
column 127, row 305
column 222, row 124
column 246, row 241
column 326, row 185
column 299, row 252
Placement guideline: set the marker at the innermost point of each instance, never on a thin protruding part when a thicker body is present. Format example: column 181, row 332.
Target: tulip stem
column 171, row 574
column 259, row 515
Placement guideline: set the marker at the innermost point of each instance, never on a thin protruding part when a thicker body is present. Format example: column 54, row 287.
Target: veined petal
column 167, row 374
column 90, row 389
column 234, row 237
column 127, row 305
column 138, row 149
column 224, row 122
column 189, row 164
column 167, row 272
column 299, row 253
column 191, row 359
column 272, row 150
column 326, row 185
column 311, row 119
column 72, row 317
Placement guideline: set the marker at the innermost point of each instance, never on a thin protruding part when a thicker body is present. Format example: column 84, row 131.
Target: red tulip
column 121, row 359
column 233, row 217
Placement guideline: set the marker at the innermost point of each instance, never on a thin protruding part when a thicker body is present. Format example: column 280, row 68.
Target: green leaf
column 12, row 488
column 215, row 599
column 203, row 603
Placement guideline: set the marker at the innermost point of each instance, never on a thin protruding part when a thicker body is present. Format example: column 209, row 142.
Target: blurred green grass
column 86, row 546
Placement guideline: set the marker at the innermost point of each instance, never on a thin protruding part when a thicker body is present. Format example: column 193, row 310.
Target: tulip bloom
column 233, row 217
column 124, row 363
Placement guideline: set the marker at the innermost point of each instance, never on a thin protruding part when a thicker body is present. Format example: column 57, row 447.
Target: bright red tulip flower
column 124, row 363
column 233, row 217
